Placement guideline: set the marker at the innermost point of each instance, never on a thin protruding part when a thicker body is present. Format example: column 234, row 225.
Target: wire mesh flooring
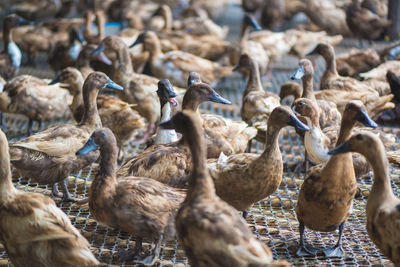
column 272, row 220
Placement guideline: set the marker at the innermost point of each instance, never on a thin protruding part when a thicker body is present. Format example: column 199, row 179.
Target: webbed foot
column 303, row 251
column 151, row 259
column 66, row 196
column 336, row 251
column 128, row 255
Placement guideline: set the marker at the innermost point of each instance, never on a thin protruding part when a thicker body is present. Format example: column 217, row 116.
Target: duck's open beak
column 22, row 22
column 219, row 99
column 363, row 117
column 99, row 52
column 112, row 85
column 167, row 125
column 298, row 74
column 340, row 149
column 295, row 122
column 88, row 147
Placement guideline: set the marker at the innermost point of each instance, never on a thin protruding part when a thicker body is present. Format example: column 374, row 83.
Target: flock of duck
column 197, row 171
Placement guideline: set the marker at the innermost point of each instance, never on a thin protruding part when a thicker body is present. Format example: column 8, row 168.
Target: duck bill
column 112, row 85
column 295, row 122
column 167, row 125
column 363, row 117
column 254, row 23
column 236, row 67
column 138, row 41
column 340, row 149
column 22, row 22
column 298, row 74
column 88, row 147
column 312, row 53
column 99, row 53
column 55, row 80
column 219, row 99
column 78, row 36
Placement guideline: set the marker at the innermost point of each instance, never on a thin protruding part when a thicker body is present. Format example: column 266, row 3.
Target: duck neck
column 308, row 87
column 7, row 38
column 272, row 141
column 253, row 78
column 200, row 182
column 346, row 128
column 167, row 16
column 77, row 100
column 100, row 25
column 381, row 188
column 6, row 185
column 91, row 115
column 190, row 103
column 122, row 67
column 330, row 61
column 108, row 161
column 244, row 36
column 154, row 48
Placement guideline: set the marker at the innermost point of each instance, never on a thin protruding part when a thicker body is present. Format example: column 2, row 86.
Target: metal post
column 394, row 16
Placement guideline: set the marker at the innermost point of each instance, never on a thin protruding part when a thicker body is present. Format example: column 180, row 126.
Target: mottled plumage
column 33, row 230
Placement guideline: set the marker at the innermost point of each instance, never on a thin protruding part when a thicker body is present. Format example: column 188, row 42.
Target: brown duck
column 139, row 206
column 33, row 230
column 212, row 232
column 48, row 157
column 243, row 179
column 383, row 207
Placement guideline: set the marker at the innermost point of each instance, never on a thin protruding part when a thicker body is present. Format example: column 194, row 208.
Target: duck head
column 193, row 78
column 100, row 139
column 365, row 143
column 245, row 63
column 75, row 47
column 100, row 80
column 250, row 21
column 199, row 93
column 323, row 49
column 290, row 88
column 70, row 79
column 14, row 20
column 356, row 111
column 283, row 116
column 307, row 109
column 149, row 40
column 166, row 93
column 305, row 69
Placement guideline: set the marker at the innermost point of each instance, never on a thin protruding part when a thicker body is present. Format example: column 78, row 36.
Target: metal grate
column 273, row 220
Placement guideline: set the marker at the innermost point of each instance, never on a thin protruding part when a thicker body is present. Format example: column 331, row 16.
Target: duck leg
column 55, row 191
column 248, row 148
column 30, row 123
column 151, row 259
column 336, row 251
column 66, row 195
column 129, row 256
column 303, row 250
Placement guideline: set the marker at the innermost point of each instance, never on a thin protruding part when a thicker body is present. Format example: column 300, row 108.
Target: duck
column 379, row 73
column 65, row 54
column 10, row 57
column 170, row 163
column 34, row 98
column 140, row 89
column 34, row 10
column 327, row 16
column 328, row 113
column 382, row 205
column 332, row 80
column 257, row 104
column 375, row 105
column 318, row 142
column 245, row 178
column 48, row 157
column 364, row 23
column 100, row 19
column 326, row 196
column 139, row 206
column 33, row 230
column 252, row 48
column 176, row 65
column 114, row 113
column 167, row 96
column 205, row 223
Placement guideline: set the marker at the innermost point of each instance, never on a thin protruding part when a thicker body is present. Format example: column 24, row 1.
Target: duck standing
column 49, row 156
